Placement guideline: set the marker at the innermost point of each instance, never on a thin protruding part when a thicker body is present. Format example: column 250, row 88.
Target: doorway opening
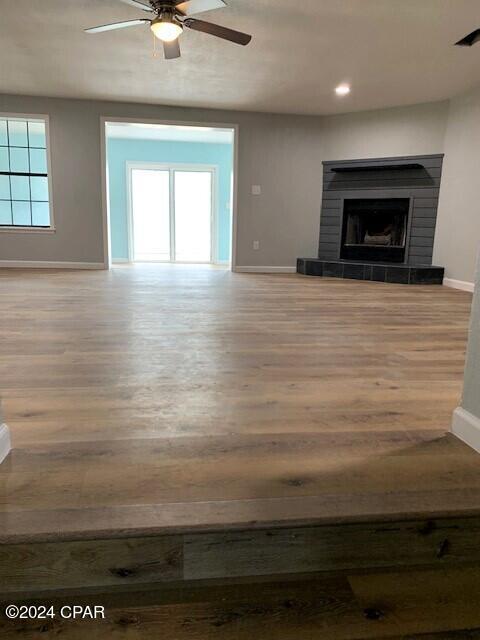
column 170, row 192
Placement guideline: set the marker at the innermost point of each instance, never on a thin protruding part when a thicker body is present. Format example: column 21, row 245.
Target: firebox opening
column 375, row 229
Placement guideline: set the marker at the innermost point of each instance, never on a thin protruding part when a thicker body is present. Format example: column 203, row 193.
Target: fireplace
column 375, row 229
column 378, row 220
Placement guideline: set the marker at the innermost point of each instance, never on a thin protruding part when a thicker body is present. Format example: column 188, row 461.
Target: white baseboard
column 265, row 269
column 41, row 264
column 120, row 261
column 5, row 444
column 466, row 426
column 459, row 284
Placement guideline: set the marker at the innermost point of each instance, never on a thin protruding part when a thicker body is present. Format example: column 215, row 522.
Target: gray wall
column 283, row 154
column 458, row 223
column 471, row 397
column 77, row 194
column 401, row 131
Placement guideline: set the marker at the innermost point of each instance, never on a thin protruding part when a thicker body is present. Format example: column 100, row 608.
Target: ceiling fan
column 170, row 18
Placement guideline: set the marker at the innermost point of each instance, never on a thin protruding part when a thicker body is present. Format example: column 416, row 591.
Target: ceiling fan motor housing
column 165, row 7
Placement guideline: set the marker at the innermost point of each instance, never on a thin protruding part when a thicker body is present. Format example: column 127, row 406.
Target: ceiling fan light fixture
column 166, row 28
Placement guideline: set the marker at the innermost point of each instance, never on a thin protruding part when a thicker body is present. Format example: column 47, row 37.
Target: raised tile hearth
column 373, row 271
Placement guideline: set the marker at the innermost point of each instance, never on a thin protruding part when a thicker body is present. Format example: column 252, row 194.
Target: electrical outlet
column 256, row 245
column 256, row 190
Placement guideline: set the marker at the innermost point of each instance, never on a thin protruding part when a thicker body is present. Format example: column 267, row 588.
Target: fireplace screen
column 375, row 229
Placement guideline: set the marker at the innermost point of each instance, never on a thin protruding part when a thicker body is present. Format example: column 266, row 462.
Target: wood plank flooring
column 422, row 605
column 166, row 398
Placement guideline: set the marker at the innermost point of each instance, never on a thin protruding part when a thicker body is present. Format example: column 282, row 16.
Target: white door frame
column 104, row 120
column 172, row 167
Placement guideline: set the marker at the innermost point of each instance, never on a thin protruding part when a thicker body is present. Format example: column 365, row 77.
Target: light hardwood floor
column 227, row 398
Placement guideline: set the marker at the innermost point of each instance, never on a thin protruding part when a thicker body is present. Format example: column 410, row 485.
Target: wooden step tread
column 428, row 605
column 48, row 567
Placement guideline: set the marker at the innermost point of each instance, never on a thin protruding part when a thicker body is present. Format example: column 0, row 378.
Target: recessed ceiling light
column 342, row 90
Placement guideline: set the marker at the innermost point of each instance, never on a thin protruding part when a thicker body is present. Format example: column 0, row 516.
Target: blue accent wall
column 121, row 151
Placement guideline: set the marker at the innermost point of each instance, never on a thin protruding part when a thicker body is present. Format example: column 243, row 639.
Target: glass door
column 150, row 189
column 193, row 216
column 172, row 214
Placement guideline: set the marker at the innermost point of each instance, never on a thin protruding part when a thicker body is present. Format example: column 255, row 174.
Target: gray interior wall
column 282, row 154
column 471, row 397
column 76, row 185
column 458, row 224
column 400, row 131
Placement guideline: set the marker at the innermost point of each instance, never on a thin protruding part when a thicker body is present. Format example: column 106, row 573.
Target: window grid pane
column 20, row 188
column 39, row 189
column 40, row 214
column 6, row 212
column 19, row 162
column 37, row 135
column 5, row 191
column 22, row 214
column 4, row 159
column 24, row 193
column 17, row 133
column 3, row 133
column 38, row 160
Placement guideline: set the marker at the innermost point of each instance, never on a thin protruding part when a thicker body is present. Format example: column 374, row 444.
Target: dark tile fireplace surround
column 378, row 221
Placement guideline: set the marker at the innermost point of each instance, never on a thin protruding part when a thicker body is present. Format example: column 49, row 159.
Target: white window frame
column 30, row 229
column 171, row 167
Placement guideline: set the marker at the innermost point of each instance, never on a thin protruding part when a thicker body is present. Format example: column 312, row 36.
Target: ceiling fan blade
column 138, row 5
column 469, row 40
column 190, row 7
column 171, row 50
column 217, row 30
column 117, row 25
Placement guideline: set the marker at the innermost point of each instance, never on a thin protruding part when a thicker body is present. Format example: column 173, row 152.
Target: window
column 24, row 186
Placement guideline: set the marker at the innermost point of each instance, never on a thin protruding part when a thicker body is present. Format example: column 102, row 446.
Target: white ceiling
column 163, row 132
column 393, row 52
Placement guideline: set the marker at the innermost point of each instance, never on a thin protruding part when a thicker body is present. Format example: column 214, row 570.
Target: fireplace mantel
column 408, row 166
